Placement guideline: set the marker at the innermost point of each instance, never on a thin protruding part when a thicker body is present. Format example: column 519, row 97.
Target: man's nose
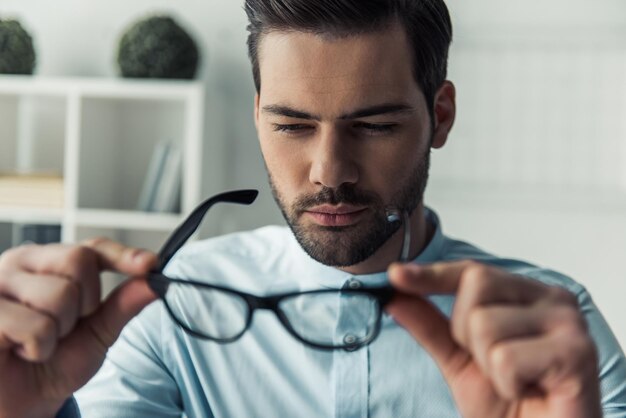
column 332, row 162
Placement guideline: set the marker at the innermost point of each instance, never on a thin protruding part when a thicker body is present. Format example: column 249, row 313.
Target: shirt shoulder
column 454, row 249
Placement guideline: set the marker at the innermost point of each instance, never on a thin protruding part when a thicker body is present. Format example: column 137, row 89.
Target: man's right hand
column 54, row 329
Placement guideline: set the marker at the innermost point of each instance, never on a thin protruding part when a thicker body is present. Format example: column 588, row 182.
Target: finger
column 117, row 257
column 483, row 286
column 473, row 283
column 425, row 279
column 82, row 264
column 490, row 325
column 63, row 259
column 76, row 263
column 431, row 329
column 30, row 334
column 493, row 324
column 561, row 363
column 449, row 277
column 57, row 297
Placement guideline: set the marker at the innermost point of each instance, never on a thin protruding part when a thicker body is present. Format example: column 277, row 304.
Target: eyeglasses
column 345, row 318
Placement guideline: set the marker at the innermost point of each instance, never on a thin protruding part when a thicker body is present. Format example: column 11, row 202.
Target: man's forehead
column 371, row 64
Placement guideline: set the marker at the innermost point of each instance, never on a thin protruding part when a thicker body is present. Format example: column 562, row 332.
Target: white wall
column 536, row 166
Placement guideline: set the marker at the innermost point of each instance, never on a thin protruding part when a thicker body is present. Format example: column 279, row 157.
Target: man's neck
column 421, row 233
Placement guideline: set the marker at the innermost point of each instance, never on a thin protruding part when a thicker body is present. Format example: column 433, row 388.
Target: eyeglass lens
column 331, row 318
column 211, row 312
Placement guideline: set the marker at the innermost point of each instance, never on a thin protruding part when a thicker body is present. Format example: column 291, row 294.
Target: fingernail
column 142, row 256
column 394, row 269
column 412, row 268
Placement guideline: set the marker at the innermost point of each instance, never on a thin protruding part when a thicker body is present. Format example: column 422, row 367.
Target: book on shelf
column 31, row 190
column 161, row 187
column 12, row 235
column 37, row 234
column 167, row 196
column 153, row 176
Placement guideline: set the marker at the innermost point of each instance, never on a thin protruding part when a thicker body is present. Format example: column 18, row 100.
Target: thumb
column 425, row 322
column 126, row 300
column 124, row 303
column 82, row 352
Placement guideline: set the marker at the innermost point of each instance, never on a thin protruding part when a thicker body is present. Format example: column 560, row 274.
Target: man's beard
column 343, row 246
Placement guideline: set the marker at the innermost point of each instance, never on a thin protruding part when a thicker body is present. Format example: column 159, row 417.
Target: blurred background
column 535, row 167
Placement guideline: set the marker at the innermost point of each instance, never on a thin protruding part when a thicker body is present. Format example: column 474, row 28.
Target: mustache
column 343, row 194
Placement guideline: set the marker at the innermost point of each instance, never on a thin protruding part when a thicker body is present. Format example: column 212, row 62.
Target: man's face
column 345, row 133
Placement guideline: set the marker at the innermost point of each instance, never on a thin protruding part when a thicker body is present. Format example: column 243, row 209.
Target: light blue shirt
column 156, row 370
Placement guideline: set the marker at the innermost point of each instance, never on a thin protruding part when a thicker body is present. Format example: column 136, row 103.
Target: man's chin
column 331, row 231
column 345, row 236
column 334, row 259
column 336, row 246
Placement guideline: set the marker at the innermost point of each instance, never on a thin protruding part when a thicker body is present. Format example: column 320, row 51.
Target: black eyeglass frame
column 382, row 295
column 159, row 283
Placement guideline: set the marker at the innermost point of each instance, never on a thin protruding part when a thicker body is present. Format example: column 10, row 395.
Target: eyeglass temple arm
column 189, row 226
column 395, row 215
column 406, row 238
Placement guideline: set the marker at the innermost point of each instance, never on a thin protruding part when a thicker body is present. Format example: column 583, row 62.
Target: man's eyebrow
column 280, row 110
column 381, row 109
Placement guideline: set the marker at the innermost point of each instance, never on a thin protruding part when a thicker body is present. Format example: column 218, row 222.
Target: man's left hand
column 513, row 347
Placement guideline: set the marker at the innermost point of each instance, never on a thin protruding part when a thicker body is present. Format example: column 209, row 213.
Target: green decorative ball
column 157, row 47
column 17, row 54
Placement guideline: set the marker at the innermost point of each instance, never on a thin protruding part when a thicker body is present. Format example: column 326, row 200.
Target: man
column 351, row 97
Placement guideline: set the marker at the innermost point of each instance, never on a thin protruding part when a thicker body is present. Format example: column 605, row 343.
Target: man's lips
column 340, row 215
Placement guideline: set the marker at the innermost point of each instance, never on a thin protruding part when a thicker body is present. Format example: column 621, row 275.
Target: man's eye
column 291, row 128
column 376, row 128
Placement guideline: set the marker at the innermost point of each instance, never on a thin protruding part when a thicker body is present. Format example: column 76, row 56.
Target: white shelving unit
column 100, row 135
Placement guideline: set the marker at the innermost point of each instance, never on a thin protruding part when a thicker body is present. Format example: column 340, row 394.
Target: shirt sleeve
column 612, row 363
column 133, row 381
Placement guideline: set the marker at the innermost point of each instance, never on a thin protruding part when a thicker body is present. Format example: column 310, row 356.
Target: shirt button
column 349, row 339
column 354, row 284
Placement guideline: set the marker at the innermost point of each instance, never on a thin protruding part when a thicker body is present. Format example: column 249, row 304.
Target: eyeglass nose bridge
column 347, row 345
column 270, row 303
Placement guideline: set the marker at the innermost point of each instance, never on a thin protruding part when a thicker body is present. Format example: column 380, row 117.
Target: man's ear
column 444, row 113
column 256, row 111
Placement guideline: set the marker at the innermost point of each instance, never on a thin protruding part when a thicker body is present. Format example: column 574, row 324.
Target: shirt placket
column 350, row 368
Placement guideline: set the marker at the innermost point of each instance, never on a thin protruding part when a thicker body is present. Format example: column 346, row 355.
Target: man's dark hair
column 427, row 24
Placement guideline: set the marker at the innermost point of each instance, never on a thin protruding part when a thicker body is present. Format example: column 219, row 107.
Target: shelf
column 136, row 89
column 120, row 219
column 18, row 214
column 100, row 134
